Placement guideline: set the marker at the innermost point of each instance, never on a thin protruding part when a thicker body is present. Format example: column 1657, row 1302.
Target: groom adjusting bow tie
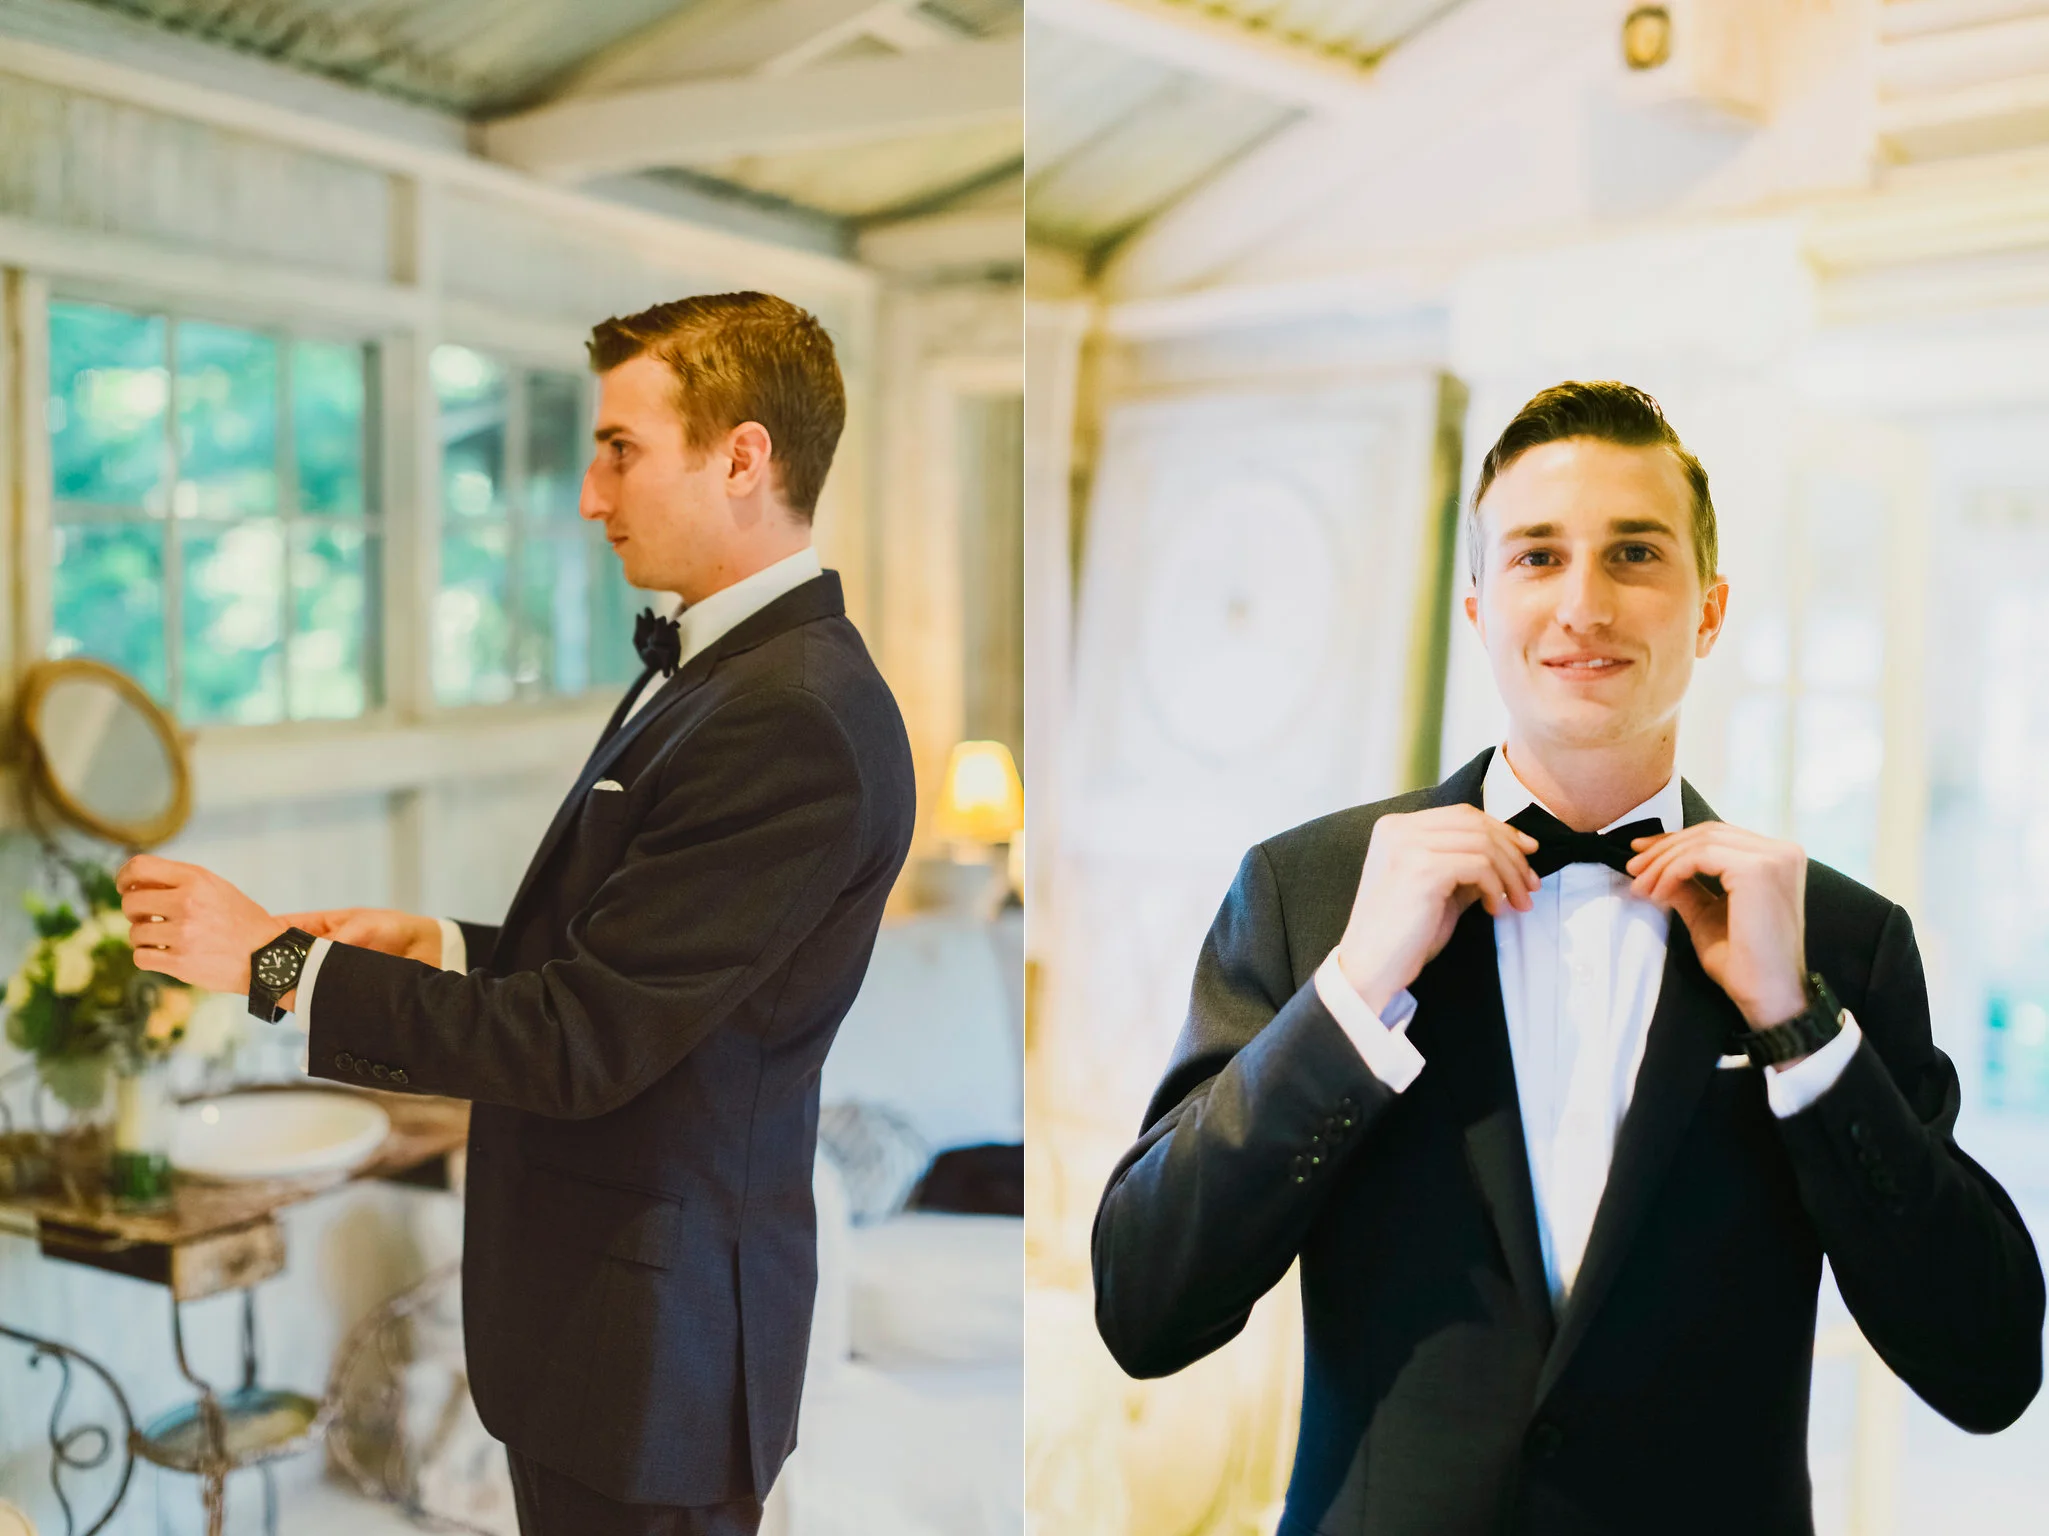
column 1557, row 1131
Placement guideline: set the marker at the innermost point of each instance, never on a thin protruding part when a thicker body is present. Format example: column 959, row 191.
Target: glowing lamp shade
column 981, row 800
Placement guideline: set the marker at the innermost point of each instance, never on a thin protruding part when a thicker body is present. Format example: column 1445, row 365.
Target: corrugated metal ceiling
column 484, row 58
column 473, row 57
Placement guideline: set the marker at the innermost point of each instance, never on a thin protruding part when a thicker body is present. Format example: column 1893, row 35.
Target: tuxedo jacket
column 1440, row 1393
column 641, row 1039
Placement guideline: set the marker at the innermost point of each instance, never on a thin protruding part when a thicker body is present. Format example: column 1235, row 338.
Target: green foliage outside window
column 532, row 600
column 215, row 529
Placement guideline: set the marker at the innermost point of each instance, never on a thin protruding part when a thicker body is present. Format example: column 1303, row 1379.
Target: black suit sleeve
column 1929, row 1252
column 478, row 940
column 753, row 832
column 1265, row 1096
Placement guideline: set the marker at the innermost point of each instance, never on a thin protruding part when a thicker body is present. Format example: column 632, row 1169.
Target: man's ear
column 1473, row 612
column 748, row 451
column 1714, row 613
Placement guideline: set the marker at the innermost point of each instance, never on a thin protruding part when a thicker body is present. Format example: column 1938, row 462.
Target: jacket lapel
column 686, row 681
column 1462, row 988
column 1689, row 1029
column 818, row 598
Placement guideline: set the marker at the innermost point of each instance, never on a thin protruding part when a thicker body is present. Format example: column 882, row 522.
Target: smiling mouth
column 1589, row 666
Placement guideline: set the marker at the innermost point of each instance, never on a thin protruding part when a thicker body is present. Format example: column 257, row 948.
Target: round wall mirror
column 101, row 753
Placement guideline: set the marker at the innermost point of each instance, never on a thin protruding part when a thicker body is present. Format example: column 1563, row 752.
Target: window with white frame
column 216, row 521
column 532, row 600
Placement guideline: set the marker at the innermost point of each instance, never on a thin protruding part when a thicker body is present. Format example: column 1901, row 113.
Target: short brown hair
column 743, row 357
column 1610, row 413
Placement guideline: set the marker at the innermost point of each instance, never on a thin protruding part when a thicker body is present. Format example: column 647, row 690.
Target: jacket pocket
column 604, row 807
column 604, row 1218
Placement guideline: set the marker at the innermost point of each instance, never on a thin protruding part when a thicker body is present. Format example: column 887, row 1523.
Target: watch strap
column 1803, row 1034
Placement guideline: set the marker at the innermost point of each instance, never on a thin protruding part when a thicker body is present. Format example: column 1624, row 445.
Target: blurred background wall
column 294, row 412
column 1292, row 268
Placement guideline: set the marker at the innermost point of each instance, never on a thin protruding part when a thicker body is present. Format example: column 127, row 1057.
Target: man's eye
column 1536, row 557
column 1637, row 554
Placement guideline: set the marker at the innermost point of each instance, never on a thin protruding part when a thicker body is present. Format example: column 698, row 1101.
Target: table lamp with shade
column 980, row 809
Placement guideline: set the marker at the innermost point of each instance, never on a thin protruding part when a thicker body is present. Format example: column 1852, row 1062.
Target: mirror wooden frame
column 36, row 684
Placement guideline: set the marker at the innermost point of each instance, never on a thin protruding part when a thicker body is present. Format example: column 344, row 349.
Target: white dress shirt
column 697, row 625
column 1580, row 973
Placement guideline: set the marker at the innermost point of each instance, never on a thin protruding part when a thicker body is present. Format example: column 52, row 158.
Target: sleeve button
column 398, row 1075
column 378, row 1069
column 344, row 1061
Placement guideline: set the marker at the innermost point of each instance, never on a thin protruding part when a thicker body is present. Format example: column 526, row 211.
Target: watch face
column 277, row 969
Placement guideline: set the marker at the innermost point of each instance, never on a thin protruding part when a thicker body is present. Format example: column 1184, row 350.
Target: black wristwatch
column 274, row 971
column 1807, row 1031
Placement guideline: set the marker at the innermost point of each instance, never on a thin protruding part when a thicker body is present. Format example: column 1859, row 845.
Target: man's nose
column 591, row 502
column 1586, row 599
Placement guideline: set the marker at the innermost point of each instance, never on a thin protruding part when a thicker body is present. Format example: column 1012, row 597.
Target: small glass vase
column 139, row 1165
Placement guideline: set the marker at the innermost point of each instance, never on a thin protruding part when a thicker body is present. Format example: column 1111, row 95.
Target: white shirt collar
column 702, row 623
column 1502, row 794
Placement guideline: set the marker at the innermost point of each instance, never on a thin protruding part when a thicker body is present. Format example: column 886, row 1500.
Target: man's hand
column 1423, row 869
column 189, row 923
column 1751, row 939
column 379, row 928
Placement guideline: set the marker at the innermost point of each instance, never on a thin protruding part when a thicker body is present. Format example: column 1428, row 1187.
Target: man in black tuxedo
column 642, row 1035
column 1561, row 1171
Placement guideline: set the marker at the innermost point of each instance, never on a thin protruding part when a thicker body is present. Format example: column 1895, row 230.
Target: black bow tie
column 1558, row 845
column 659, row 641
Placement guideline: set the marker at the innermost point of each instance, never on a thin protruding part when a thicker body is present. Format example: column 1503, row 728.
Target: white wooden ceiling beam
column 1919, row 18
column 707, row 122
column 967, row 237
column 1197, row 43
column 745, row 36
column 1943, row 61
column 889, row 21
column 1458, row 77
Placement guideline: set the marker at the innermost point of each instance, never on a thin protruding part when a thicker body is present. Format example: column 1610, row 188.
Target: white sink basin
column 276, row 1135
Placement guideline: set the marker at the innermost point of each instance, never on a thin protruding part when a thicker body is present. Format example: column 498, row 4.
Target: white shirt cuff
column 1382, row 1039
column 302, row 1005
column 454, row 957
column 1791, row 1089
column 454, row 953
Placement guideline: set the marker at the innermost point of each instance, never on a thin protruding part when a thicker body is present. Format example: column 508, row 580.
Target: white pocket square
column 1732, row 1062
column 608, row 784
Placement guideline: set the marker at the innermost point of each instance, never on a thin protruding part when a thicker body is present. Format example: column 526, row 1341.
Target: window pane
column 1840, row 748
column 555, row 612
column 472, row 619
column 232, row 663
column 335, row 616
column 328, row 438
column 107, row 599
column 556, row 445
column 227, row 421
column 613, row 661
column 472, row 392
column 109, row 389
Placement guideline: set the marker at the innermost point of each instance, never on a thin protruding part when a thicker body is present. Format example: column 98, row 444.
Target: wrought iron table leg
column 68, row 1451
